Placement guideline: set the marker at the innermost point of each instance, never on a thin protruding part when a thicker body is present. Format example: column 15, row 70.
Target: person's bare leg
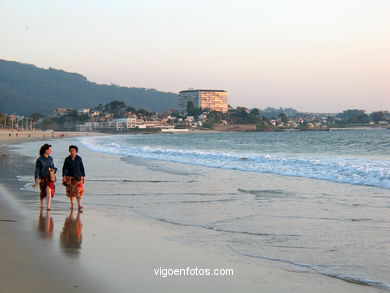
column 48, row 197
column 48, row 221
column 71, row 202
column 79, row 199
column 41, row 203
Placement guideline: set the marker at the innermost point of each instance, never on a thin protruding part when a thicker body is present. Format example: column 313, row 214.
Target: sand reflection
column 71, row 235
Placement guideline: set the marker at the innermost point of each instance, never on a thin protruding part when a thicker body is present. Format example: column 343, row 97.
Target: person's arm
column 37, row 167
column 64, row 171
column 51, row 165
column 82, row 171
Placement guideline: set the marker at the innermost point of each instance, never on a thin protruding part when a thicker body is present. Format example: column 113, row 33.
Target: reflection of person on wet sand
column 71, row 235
column 45, row 225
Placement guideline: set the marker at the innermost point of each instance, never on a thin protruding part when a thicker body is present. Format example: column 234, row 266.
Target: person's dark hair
column 74, row 147
column 44, row 148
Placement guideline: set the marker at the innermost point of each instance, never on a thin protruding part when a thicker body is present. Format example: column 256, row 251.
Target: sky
column 311, row 55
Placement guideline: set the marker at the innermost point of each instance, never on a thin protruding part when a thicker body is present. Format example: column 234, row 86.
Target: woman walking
column 73, row 175
column 44, row 174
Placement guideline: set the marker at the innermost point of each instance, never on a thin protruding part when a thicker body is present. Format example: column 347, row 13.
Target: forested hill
column 25, row 89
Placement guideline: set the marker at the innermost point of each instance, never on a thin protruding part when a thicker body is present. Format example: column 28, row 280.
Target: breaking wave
column 369, row 172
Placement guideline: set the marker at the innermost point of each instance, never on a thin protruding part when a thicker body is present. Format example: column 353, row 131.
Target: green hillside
column 25, row 89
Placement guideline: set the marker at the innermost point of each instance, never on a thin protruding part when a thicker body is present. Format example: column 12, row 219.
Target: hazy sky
column 322, row 56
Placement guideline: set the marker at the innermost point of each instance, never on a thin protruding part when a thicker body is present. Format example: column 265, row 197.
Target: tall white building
column 213, row 100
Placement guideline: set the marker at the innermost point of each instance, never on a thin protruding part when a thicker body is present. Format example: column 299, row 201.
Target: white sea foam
column 359, row 171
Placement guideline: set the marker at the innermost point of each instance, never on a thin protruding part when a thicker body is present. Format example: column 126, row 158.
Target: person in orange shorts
column 73, row 175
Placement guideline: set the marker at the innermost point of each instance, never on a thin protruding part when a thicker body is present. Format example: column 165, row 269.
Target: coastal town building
column 212, row 100
column 83, row 111
column 123, row 124
column 94, row 113
column 59, row 112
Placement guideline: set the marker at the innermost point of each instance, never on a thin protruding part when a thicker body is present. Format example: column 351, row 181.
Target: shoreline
column 123, row 252
column 17, row 136
column 147, row 245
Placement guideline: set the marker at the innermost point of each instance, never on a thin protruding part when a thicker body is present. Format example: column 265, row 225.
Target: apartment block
column 212, row 100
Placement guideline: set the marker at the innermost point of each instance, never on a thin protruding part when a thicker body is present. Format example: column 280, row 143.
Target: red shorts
column 45, row 182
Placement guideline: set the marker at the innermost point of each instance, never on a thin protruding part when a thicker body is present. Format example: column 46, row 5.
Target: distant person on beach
column 73, row 175
column 43, row 167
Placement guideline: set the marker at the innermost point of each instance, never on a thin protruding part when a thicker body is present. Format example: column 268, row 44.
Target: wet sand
column 100, row 251
column 28, row 263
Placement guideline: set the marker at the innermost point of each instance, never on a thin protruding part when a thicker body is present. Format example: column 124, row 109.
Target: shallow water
column 294, row 222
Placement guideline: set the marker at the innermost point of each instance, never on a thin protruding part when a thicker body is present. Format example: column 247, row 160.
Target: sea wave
column 369, row 172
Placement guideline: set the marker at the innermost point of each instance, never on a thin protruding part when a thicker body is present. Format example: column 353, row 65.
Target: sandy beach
column 102, row 250
column 10, row 136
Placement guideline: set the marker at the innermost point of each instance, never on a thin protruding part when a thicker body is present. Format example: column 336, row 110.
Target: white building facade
column 212, row 100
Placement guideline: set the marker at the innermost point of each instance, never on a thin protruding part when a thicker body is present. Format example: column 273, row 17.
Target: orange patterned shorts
column 45, row 182
column 74, row 188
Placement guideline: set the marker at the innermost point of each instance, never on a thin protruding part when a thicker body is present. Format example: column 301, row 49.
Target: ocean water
column 308, row 202
column 355, row 157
